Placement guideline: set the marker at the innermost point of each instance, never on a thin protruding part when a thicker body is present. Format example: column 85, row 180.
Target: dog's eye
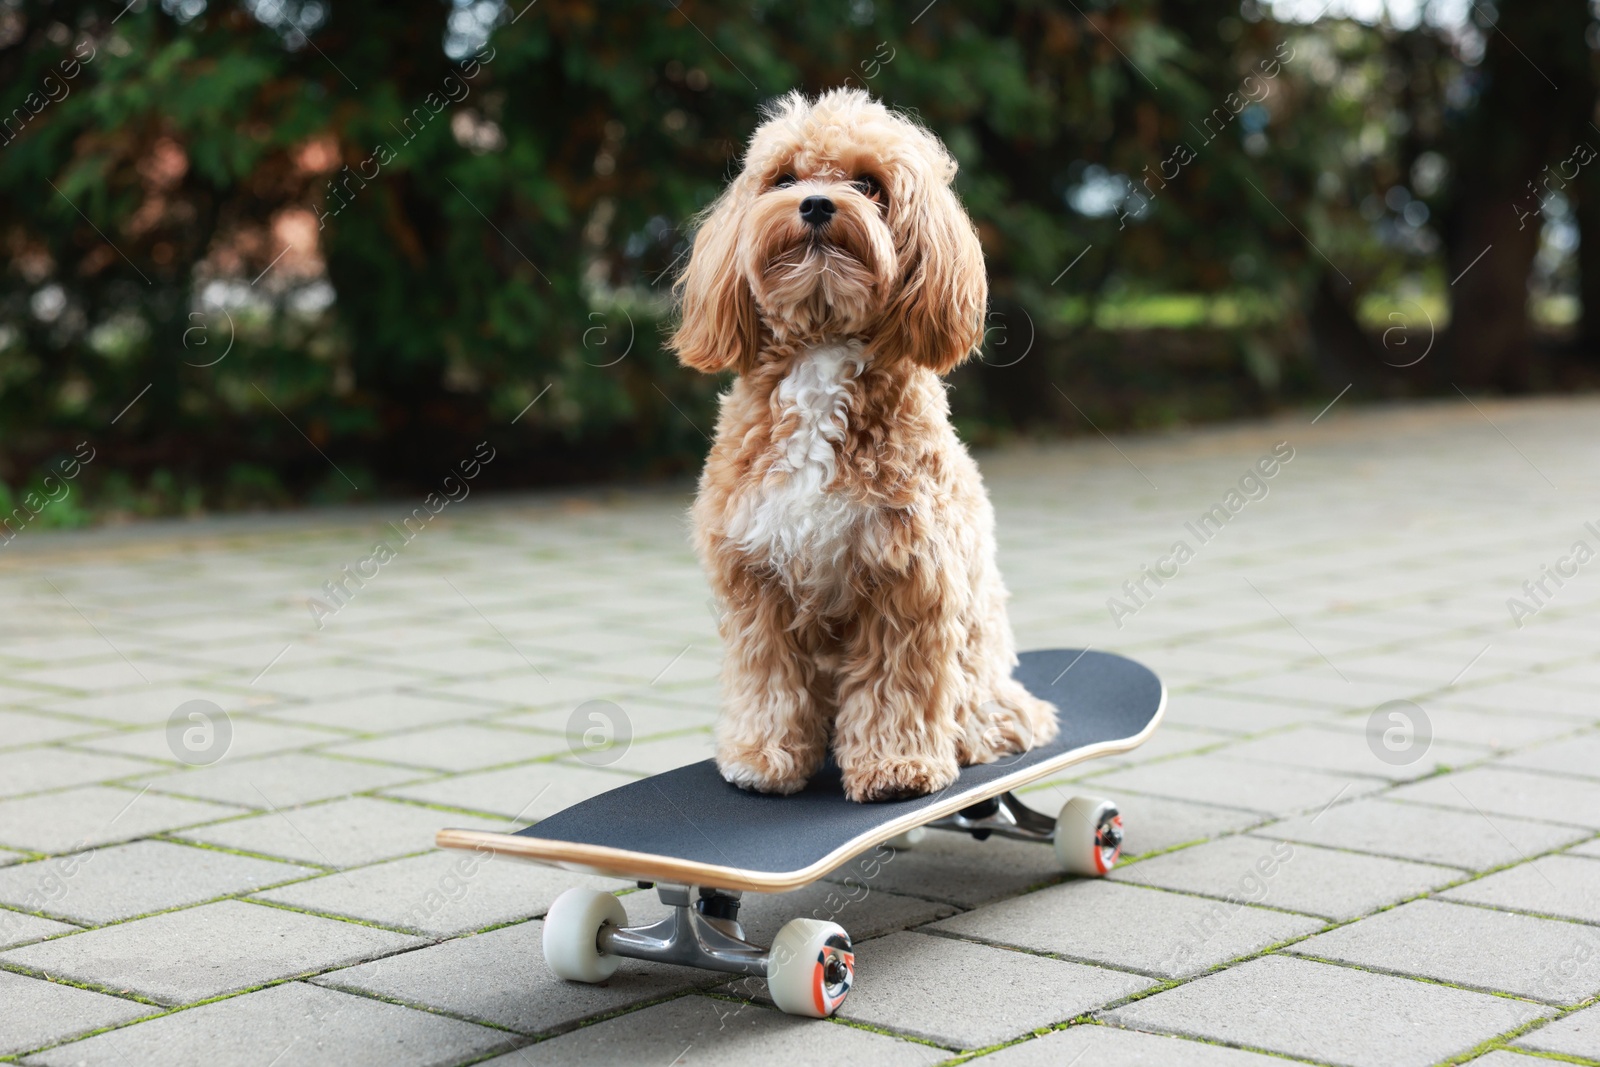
column 784, row 181
column 868, row 186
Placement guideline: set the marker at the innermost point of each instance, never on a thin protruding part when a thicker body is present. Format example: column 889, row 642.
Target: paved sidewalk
column 1366, row 833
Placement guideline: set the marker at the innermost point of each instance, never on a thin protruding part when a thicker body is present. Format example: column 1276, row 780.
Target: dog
column 844, row 528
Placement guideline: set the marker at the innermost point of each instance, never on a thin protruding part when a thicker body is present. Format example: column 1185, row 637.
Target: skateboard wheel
column 1088, row 836
column 910, row 839
column 810, row 968
column 572, row 932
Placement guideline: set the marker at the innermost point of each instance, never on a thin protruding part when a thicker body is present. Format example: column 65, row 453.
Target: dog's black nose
column 816, row 210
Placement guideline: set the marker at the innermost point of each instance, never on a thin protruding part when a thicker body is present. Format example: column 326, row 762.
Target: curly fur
column 843, row 526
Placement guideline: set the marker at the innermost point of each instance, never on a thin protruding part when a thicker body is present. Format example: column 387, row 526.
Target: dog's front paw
column 892, row 779
column 765, row 769
column 1011, row 724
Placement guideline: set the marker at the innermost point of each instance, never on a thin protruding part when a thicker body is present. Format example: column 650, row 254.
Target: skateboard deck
column 689, row 826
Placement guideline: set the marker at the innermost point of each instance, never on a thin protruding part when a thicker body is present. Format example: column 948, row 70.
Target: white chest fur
column 793, row 515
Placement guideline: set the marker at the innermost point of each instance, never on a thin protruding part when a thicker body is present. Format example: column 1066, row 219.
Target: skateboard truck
column 701, row 933
column 1005, row 815
column 808, row 969
column 1087, row 835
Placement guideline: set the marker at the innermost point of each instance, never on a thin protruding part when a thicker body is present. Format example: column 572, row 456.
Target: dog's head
column 841, row 225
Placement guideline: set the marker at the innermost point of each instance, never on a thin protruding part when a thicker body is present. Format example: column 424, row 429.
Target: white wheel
column 810, row 968
column 572, row 931
column 1088, row 836
column 908, row 840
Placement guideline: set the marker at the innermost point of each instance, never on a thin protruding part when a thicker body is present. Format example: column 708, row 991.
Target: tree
column 1530, row 102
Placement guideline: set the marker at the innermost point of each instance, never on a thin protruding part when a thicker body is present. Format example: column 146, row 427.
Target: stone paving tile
column 454, row 747
column 97, row 815
column 1108, row 1046
column 335, row 680
column 1208, row 657
column 663, row 754
column 1176, row 935
column 439, row 893
column 1425, row 834
column 644, row 661
column 910, row 983
column 1231, row 713
column 19, row 728
column 111, row 675
column 20, row 928
column 464, row 660
column 558, row 688
column 1578, row 755
column 1155, row 823
column 281, row 781
column 1502, row 791
column 34, row 1012
column 1495, row 951
column 14, row 696
column 722, row 1034
column 252, row 736
column 154, row 703
column 500, row 977
column 248, row 658
column 55, row 648
column 1563, row 886
column 301, row 1023
column 525, row 794
column 646, row 716
column 1501, row 1058
column 381, row 712
column 1529, row 696
column 1279, row 874
column 1325, row 747
column 1577, row 1034
column 1329, row 1013
column 182, row 956
column 1475, row 726
column 33, row 770
column 339, row 833
column 1168, row 741
column 107, row 885
column 1215, row 779
column 1588, row 848
column 1320, row 688
column 209, row 627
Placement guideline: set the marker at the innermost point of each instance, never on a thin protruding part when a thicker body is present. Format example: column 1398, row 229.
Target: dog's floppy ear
column 937, row 318
column 719, row 327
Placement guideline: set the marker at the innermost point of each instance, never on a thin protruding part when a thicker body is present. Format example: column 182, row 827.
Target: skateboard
column 702, row 842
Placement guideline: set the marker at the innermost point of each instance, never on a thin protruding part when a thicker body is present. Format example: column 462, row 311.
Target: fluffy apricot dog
column 844, row 527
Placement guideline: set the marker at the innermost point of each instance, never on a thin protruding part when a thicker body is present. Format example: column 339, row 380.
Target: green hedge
column 251, row 268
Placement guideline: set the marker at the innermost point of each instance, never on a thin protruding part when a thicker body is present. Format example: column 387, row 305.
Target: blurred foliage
column 286, row 250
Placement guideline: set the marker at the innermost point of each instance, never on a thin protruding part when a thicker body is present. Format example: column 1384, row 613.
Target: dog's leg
column 772, row 734
column 996, row 716
column 896, row 731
